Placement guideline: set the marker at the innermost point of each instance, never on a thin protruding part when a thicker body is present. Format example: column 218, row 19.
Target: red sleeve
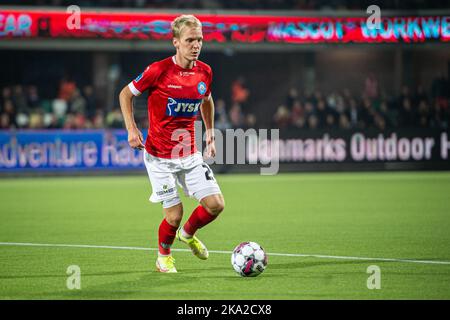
column 208, row 91
column 145, row 80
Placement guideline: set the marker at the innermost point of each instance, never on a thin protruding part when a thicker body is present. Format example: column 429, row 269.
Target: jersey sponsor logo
column 182, row 107
column 186, row 73
column 139, row 77
column 201, row 87
column 174, row 86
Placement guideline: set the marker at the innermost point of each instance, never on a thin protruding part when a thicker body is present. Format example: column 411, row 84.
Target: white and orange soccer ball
column 249, row 259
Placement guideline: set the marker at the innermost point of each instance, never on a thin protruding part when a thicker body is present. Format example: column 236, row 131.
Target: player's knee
column 174, row 220
column 174, row 213
column 216, row 207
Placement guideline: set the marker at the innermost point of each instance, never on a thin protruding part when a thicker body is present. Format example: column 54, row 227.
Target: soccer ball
column 249, row 259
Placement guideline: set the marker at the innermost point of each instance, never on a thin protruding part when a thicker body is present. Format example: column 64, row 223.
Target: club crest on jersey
column 201, row 87
column 139, row 77
column 182, row 107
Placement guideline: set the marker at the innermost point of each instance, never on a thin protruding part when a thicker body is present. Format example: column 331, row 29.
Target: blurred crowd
column 21, row 107
column 236, row 115
column 77, row 108
column 369, row 109
column 243, row 4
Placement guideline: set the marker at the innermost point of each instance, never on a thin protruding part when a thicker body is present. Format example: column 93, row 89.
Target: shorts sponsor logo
column 182, row 107
column 165, row 190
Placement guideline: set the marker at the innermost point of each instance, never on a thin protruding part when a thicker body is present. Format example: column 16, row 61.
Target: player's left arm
column 207, row 110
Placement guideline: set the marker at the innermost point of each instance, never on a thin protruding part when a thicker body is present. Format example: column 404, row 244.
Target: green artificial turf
column 375, row 215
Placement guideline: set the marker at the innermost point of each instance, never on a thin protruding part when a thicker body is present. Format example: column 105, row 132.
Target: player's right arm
column 135, row 138
column 143, row 82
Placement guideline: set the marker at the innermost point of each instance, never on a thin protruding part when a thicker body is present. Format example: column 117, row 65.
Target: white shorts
column 191, row 173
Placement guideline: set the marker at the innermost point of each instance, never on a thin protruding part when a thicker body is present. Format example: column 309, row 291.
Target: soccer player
column 178, row 87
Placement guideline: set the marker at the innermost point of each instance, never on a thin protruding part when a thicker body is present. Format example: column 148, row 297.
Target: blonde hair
column 184, row 21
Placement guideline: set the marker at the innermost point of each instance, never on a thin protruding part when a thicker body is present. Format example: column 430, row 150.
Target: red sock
column 199, row 218
column 166, row 235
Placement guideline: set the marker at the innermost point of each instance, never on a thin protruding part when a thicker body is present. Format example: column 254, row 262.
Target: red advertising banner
column 21, row 24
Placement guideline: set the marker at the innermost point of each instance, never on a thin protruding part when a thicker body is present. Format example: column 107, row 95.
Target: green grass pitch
column 374, row 215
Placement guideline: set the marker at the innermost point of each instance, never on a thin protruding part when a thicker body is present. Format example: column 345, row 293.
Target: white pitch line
column 321, row 256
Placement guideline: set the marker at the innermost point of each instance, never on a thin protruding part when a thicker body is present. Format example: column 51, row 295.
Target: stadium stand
column 77, row 108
